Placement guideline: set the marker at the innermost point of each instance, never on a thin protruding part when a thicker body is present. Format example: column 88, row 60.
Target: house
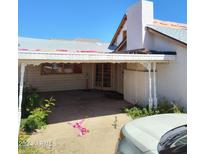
column 145, row 61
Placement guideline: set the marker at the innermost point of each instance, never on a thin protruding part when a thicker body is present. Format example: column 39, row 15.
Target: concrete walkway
column 99, row 111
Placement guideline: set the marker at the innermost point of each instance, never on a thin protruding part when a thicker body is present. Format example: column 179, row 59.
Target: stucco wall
column 136, row 84
column 172, row 78
column 136, row 87
column 138, row 16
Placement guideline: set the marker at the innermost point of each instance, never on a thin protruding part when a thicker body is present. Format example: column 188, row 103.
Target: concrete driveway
column 101, row 111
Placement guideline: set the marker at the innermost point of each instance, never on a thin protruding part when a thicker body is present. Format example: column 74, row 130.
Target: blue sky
column 85, row 18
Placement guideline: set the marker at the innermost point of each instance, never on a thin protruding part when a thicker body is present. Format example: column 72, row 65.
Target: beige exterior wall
column 118, row 77
column 61, row 82
column 57, row 82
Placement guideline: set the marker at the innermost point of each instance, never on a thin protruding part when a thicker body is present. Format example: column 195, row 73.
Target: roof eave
column 151, row 30
column 124, row 19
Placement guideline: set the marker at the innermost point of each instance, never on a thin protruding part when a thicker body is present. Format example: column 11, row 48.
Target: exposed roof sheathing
column 60, row 45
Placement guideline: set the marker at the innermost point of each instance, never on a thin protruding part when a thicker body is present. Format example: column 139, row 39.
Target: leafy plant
column 38, row 116
column 30, row 101
column 35, row 110
column 22, row 124
column 177, row 109
column 164, row 106
column 47, row 104
column 135, row 112
column 36, row 120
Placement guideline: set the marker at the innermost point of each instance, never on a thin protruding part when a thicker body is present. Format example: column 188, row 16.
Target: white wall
column 138, row 16
column 136, row 87
column 172, row 78
column 136, row 84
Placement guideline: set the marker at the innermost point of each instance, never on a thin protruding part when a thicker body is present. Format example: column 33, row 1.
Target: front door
column 103, row 76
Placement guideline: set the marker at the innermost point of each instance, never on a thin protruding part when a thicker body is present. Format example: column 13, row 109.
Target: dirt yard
column 101, row 112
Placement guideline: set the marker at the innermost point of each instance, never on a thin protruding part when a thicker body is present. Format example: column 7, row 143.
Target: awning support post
column 155, row 86
column 149, row 67
column 21, row 91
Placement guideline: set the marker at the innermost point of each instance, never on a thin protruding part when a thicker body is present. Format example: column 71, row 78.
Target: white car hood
column 145, row 133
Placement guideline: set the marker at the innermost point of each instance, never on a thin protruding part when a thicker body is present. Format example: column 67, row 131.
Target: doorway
column 103, row 76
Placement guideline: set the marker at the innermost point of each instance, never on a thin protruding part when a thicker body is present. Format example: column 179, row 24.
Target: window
column 60, row 68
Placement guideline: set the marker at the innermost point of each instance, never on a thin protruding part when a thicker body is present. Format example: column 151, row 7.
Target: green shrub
column 36, row 120
column 47, row 104
column 135, row 112
column 164, row 106
column 31, row 100
column 35, row 110
column 22, row 123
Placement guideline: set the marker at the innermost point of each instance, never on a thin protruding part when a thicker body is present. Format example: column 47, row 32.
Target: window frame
column 74, row 69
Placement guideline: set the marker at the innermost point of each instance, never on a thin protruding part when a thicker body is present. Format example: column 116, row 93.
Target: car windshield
column 174, row 141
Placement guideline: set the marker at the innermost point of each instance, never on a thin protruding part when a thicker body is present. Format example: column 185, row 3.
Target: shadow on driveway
column 79, row 104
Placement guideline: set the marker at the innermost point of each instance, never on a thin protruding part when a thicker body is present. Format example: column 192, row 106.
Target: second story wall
column 138, row 17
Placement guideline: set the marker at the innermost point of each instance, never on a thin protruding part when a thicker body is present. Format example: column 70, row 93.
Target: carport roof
column 42, row 57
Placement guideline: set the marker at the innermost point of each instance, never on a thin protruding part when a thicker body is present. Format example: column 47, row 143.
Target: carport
column 95, row 62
